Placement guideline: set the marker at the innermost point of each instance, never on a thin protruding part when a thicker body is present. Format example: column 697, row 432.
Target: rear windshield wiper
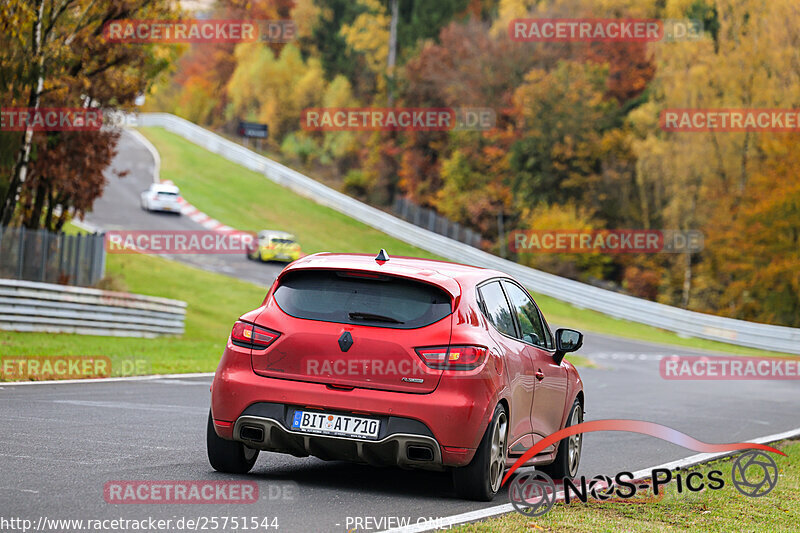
column 373, row 317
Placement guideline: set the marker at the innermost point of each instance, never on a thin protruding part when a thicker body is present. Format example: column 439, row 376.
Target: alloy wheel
column 497, row 457
column 575, row 442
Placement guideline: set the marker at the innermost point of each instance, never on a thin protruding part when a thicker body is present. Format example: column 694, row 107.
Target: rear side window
column 528, row 315
column 497, row 309
column 387, row 301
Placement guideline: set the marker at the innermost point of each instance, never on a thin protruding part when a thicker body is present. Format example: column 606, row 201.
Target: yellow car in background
column 274, row 246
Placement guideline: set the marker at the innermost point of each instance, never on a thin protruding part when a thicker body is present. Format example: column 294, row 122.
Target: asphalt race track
column 61, row 443
column 119, row 209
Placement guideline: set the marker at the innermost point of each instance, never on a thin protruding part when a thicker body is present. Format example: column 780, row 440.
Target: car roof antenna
column 382, row 256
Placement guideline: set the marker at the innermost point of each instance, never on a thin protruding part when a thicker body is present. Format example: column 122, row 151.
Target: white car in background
column 161, row 197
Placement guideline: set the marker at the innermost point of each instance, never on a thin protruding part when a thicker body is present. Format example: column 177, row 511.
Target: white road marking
column 137, row 406
column 51, row 459
column 627, row 356
column 153, row 152
column 166, row 381
column 20, row 490
column 471, row 516
column 111, row 380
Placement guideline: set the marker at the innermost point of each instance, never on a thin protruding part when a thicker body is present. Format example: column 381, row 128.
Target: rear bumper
column 273, row 255
column 451, row 419
column 172, row 207
column 402, row 442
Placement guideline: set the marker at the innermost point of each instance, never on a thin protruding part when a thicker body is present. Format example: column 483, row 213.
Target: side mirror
column 567, row 340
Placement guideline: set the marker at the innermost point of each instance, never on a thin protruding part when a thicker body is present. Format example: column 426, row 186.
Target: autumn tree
column 66, row 176
column 763, row 283
column 197, row 89
column 54, row 53
column 563, row 117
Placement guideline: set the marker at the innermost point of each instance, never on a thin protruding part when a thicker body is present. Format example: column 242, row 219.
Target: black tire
column 563, row 466
column 480, row 479
column 228, row 456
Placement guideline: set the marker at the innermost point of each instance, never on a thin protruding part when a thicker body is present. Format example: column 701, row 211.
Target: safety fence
column 433, row 221
column 40, row 255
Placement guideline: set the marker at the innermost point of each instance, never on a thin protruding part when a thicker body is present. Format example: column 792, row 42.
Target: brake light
column 453, row 357
column 250, row 336
column 365, row 275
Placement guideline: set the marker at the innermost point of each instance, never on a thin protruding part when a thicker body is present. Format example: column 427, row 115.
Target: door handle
column 539, row 375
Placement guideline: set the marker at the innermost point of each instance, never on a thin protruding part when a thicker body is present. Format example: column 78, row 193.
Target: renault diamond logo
column 345, row 341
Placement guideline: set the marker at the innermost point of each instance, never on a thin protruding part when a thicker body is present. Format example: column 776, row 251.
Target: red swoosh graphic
column 635, row 426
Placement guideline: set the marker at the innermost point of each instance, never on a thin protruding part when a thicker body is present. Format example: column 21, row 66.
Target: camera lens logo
column 532, row 494
column 754, row 474
column 601, row 487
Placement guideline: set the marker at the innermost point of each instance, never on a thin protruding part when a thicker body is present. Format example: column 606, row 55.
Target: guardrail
column 32, row 306
column 681, row 321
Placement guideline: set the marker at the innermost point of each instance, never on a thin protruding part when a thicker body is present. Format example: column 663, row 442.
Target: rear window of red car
column 348, row 298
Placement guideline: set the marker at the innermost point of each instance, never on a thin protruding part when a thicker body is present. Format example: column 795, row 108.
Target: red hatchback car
column 397, row 361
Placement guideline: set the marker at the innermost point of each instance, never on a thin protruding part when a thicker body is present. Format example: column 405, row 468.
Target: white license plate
column 339, row 425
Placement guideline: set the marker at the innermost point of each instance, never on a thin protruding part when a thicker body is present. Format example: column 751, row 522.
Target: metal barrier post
column 77, row 259
column 21, row 252
column 45, row 241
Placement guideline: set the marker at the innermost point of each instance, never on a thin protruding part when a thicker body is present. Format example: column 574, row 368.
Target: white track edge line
column 152, row 149
column 106, row 380
column 471, row 516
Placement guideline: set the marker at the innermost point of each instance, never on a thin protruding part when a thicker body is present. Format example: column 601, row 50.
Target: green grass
column 720, row 510
column 214, row 303
column 247, row 201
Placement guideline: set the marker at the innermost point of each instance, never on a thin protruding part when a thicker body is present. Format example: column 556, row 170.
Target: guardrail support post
column 45, row 242
column 21, row 252
column 77, row 259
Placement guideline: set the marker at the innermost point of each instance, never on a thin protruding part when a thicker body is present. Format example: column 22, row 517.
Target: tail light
column 250, row 336
column 453, row 357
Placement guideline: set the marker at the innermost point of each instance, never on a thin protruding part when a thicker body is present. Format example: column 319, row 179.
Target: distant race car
column 161, row 197
column 274, row 246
